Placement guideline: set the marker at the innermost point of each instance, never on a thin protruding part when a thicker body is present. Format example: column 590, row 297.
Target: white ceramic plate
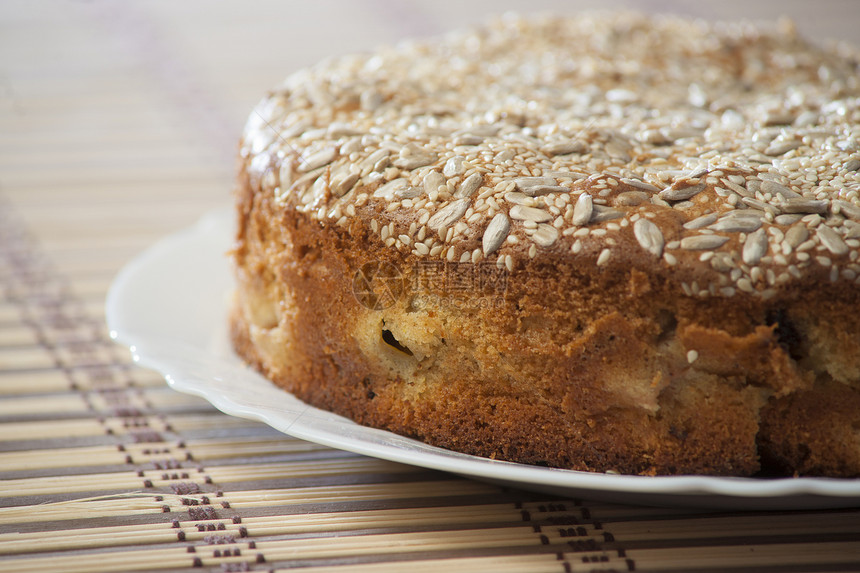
column 169, row 306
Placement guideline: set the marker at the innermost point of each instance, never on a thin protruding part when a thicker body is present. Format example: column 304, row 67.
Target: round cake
column 611, row 243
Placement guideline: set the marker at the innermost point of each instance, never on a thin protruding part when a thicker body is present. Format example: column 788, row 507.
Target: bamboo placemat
column 117, row 126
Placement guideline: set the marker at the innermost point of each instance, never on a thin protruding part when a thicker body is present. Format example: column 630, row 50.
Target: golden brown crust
column 627, row 349
column 508, row 384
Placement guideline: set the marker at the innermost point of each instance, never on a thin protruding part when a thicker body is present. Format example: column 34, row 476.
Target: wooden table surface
column 118, row 125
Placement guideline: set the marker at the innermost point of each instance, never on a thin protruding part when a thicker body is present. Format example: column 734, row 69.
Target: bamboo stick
column 128, row 503
column 9, row 313
column 412, row 518
column 218, row 474
column 42, row 405
column 110, row 454
column 286, row 549
column 35, row 381
column 133, row 503
column 540, row 563
column 452, row 538
column 814, row 556
column 457, row 517
column 46, row 430
column 738, row 526
column 315, row 468
column 91, row 426
column 29, row 358
column 14, row 335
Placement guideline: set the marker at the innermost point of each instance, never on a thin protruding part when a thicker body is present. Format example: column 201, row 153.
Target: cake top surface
column 725, row 147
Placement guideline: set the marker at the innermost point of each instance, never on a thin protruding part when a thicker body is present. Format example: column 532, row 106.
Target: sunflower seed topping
column 649, row 236
column 583, row 210
column 601, row 214
column 786, row 219
column 755, row 247
column 448, row 214
column 804, row 206
column 373, row 160
column 318, row 159
column 534, row 186
column 454, row 167
column 741, row 192
column 524, row 183
column 523, row 213
column 849, row 210
column 341, row 185
column 546, row 235
column 495, row 233
column 638, row 183
column 703, row 242
column 700, row 222
column 468, row 139
column 414, row 161
column 796, row 235
column 538, row 190
column 681, row 193
column 762, row 206
column 408, row 192
column 432, row 181
column 387, row 191
column 564, row 148
column 470, row 185
column 518, row 198
column 782, row 147
column 731, row 224
column 631, row 198
column 831, row 240
column 775, row 188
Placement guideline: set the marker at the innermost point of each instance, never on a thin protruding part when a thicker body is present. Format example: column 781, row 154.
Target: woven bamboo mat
column 117, row 126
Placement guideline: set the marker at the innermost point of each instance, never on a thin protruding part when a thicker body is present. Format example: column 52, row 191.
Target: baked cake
column 611, row 243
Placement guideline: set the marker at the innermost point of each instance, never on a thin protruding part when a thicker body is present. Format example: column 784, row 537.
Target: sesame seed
column 604, row 256
column 745, row 285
